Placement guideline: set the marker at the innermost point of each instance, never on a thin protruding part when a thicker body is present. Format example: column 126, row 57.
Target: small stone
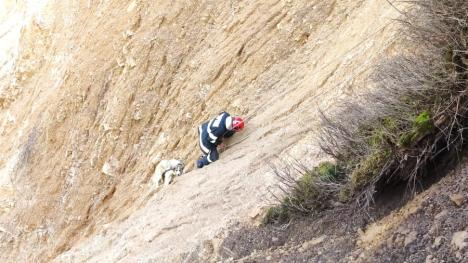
column 107, row 169
column 437, row 242
column 120, row 62
column 434, row 229
column 148, row 238
column 317, row 240
column 268, row 258
column 131, row 62
column 306, row 245
column 110, row 167
column 403, row 230
column 441, row 215
column 410, row 238
column 360, row 231
column 426, row 237
column 390, row 242
column 216, row 242
column 460, row 240
column 137, row 115
column 255, row 213
column 458, row 199
column 208, row 248
column 131, row 6
column 399, row 240
column 128, row 33
column 274, row 239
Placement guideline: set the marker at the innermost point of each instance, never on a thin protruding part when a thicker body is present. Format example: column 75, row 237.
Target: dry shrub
column 303, row 190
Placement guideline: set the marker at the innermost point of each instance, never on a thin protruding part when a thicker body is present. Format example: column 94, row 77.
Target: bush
column 315, row 189
column 276, row 215
column 327, row 171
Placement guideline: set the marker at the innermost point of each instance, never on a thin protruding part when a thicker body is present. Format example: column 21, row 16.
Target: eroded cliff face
column 92, row 84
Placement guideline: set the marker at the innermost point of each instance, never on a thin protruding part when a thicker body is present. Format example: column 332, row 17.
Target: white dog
column 166, row 170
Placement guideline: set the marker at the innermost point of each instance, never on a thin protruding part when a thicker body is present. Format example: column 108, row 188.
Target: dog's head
column 179, row 169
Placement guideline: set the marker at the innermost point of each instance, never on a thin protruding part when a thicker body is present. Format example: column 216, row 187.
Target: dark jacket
column 216, row 129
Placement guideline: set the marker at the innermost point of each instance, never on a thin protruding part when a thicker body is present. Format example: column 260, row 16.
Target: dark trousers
column 209, row 149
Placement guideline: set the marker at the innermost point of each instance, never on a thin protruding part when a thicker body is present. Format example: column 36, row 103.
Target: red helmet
column 237, row 124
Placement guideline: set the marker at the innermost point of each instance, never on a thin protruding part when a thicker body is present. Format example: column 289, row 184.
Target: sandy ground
column 117, row 83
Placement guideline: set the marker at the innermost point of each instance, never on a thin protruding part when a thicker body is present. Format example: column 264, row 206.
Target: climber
column 211, row 135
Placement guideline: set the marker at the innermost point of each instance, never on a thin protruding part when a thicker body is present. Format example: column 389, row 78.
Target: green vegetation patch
column 311, row 192
column 422, row 126
column 276, row 215
column 366, row 173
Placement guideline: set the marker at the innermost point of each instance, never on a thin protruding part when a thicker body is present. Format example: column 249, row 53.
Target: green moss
column 423, row 123
column 422, row 126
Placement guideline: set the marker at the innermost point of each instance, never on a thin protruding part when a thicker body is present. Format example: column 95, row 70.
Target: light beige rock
column 437, row 242
column 460, row 240
column 441, row 215
column 410, row 238
column 308, row 244
column 458, row 199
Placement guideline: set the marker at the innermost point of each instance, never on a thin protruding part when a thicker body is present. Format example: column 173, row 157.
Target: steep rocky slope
column 116, row 84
